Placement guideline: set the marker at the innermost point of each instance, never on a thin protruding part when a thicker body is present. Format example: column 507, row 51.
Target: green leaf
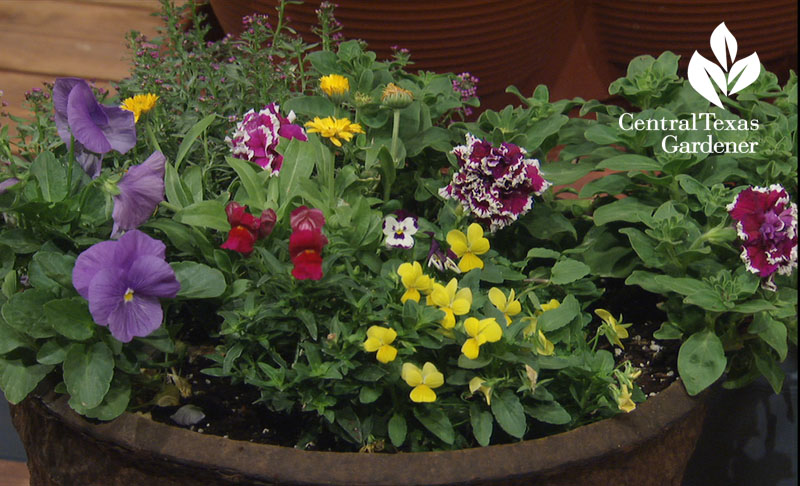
column 368, row 394
column 561, row 316
column 628, row 209
column 668, row 331
column 88, row 370
column 308, row 319
column 397, row 430
column 11, row 339
column 56, row 266
column 701, row 361
column 437, row 422
column 204, row 214
column 348, row 420
column 52, row 352
column 256, row 192
column 176, row 192
column 482, row 423
column 509, row 413
column 611, row 184
column 114, row 403
column 568, row 270
column 299, row 160
column 550, row 412
column 310, row 105
column 644, row 246
column 191, row 136
column 630, row 162
column 198, row 281
column 542, row 253
column 51, row 176
column 20, row 240
column 773, row 332
column 24, row 312
column 17, row 380
column 770, row 369
column 473, row 364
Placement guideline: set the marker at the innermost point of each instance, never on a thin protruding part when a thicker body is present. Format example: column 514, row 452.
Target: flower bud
column 396, row 97
column 362, row 99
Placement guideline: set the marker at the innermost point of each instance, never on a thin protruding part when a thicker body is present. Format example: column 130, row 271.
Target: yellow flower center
column 128, row 295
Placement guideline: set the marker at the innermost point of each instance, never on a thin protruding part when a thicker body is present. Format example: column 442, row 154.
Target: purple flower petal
column 90, row 262
column 6, row 184
column 121, row 129
column 106, row 292
column 61, row 90
column 137, row 318
column 90, row 162
column 85, row 118
column 141, row 190
column 135, row 244
column 153, row 277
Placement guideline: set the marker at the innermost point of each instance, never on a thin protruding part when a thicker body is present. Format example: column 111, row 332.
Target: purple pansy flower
column 96, row 128
column 140, row 191
column 400, row 232
column 442, row 260
column 123, row 280
column 256, row 137
column 11, row 181
column 767, row 223
column 495, row 184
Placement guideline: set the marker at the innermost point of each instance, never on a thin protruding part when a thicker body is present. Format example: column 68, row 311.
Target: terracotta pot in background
column 519, row 42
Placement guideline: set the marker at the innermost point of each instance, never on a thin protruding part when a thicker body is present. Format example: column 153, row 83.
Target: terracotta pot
column 628, row 28
column 518, row 42
column 649, row 446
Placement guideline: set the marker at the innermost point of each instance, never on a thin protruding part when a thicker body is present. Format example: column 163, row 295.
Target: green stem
column 70, row 163
column 395, row 134
column 151, row 136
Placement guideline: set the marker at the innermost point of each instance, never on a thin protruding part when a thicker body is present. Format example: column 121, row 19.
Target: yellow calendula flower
column 611, row 328
column 334, row 85
column 422, row 380
column 624, row 401
column 396, row 97
column 508, row 306
column 477, row 384
column 468, row 246
column 141, row 103
column 452, row 300
column 380, row 339
column 414, row 281
column 334, row 129
column 480, row 332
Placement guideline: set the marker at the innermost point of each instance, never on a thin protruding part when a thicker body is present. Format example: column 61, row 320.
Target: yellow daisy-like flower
column 141, row 103
column 334, row 129
column 414, row 281
column 452, row 300
column 380, row 339
column 480, row 332
column 477, row 384
column 423, row 381
column 334, row 85
column 611, row 328
column 508, row 306
column 624, row 400
column 468, row 246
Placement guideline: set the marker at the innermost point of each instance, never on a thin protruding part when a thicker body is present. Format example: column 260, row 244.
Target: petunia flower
column 611, row 327
column 480, row 332
column 140, row 191
column 141, row 103
column 767, row 223
column 452, row 300
column 334, row 85
column 380, row 339
column 304, row 218
column 508, row 306
column 123, row 280
column 400, row 234
column 95, row 127
column 257, row 136
column 423, row 381
column 334, row 129
column 414, row 281
column 246, row 229
column 468, row 246
column 305, row 249
column 477, row 384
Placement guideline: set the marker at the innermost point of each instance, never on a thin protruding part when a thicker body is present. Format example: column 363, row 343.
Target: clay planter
column 649, row 446
column 516, row 42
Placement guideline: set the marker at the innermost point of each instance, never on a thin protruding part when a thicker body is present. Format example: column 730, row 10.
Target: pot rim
column 601, row 440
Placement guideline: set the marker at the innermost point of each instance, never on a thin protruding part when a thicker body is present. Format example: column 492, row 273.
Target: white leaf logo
column 741, row 74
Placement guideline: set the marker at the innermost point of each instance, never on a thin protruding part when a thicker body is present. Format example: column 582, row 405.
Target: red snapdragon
column 306, row 243
column 246, row 229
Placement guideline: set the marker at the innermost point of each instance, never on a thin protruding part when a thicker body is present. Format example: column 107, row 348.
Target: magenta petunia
column 123, row 281
column 256, row 137
column 140, row 191
column 766, row 221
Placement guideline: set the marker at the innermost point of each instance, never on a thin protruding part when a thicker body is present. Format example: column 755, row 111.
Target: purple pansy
column 495, row 184
column 767, row 223
column 6, row 184
column 140, row 191
column 400, row 232
column 123, row 280
column 256, row 137
column 97, row 128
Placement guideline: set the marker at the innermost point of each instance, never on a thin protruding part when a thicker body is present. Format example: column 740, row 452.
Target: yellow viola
column 452, row 300
column 480, row 332
column 624, row 400
column 469, row 246
column 477, row 384
column 141, row 103
column 542, row 345
column 334, row 85
column 380, row 339
column 334, row 129
column 414, row 281
column 507, row 305
column 611, row 327
column 422, row 380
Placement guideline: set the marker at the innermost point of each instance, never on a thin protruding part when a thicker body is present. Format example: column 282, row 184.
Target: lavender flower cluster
column 467, row 86
column 495, row 184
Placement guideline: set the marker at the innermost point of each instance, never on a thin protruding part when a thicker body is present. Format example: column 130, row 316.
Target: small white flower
column 400, row 234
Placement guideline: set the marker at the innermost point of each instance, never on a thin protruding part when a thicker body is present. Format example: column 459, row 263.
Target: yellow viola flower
column 624, row 401
column 508, row 306
column 452, row 300
column 334, row 85
column 553, row 304
column 469, row 246
column 542, row 345
column 380, row 339
column 423, row 381
column 480, row 332
column 141, row 103
column 477, row 384
column 414, row 281
column 334, row 129
column 611, row 328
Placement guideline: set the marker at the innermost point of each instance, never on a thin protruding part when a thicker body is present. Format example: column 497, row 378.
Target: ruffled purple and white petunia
column 256, row 137
column 766, row 221
column 400, row 232
column 495, row 184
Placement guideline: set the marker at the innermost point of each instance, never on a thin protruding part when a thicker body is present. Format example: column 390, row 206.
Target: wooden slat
column 149, row 5
column 13, row 474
